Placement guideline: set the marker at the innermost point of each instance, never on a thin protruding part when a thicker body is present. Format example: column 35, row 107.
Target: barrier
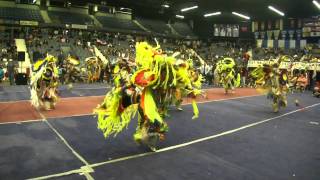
column 287, row 65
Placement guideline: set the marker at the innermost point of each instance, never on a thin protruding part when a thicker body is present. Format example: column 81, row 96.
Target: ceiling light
column 165, row 5
column 125, row 8
column 276, row 10
column 241, row 15
column 180, row 16
column 212, row 14
column 316, row 4
column 189, row 8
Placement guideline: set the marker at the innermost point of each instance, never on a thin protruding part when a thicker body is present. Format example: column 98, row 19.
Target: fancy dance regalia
column 73, row 72
column 148, row 91
column 270, row 80
column 93, row 68
column 226, row 74
column 44, row 83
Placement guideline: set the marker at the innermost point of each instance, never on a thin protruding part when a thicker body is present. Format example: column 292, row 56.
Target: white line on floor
column 21, row 122
column 64, row 98
column 89, row 88
column 88, row 168
column 179, row 145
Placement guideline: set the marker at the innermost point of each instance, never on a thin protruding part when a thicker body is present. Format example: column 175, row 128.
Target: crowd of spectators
column 78, row 44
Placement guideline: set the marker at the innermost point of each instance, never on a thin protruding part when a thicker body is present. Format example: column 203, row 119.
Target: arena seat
column 20, row 14
column 70, row 18
column 183, row 29
column 156, row 26
column 117, row 23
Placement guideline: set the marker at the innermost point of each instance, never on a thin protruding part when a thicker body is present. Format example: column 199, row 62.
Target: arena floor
column 237, row 136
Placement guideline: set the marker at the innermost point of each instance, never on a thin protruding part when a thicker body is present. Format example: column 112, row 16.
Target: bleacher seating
column 20, row 14
column 70, row 18
column 156, row 26
column 116, row 23
column 183, row 29
column 54, row 47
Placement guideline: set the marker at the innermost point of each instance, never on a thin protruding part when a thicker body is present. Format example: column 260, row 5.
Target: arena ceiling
column 256, row 9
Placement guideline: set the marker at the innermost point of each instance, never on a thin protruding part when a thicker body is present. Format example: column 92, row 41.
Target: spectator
column 1, row 74
column 11, row 71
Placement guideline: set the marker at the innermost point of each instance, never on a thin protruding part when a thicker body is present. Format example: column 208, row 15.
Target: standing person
column 108, row 71
column 209, row 74
column 204, row 72
column 226, row 74
column 244, row 74
column 44, row 83
column 10, row 70
column 60, row 59
column 1, row 74
column 102, row 71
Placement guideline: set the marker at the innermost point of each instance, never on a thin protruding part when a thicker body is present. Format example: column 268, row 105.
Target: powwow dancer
column 226, row 74
column 44, row 83
column 149, row 91
column 271, row 81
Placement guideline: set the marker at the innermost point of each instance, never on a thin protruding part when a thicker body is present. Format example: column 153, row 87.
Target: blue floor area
column 287, row 148
column 215, row 117
column 32, row 149
column 284, row 148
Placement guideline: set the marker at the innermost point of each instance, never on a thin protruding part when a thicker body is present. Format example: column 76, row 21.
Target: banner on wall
column 284, row 34
column 269, row 25
column 79, row 26
column 277, row 25
column 8, row 21
column 299, row 23
column 256, row 35
column 226, row 30
column 286, row 65
column 269, row 34
column 299, row 34
column 292, row 23
column 291, row 34
column 255, row 26
column 262, row 25
column 29, row 23
column 311, row 27
column 283, row 44
column 276, row 34
column 262, row 34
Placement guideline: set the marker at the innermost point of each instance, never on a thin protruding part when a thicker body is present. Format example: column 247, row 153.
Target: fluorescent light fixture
column 316, row 4
column 165, row 5
column 212, row 14
column 125, row 9
column 276, row 10
column 124, row 12
column 189, row 8
column 180, row 16
column 241, row 15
